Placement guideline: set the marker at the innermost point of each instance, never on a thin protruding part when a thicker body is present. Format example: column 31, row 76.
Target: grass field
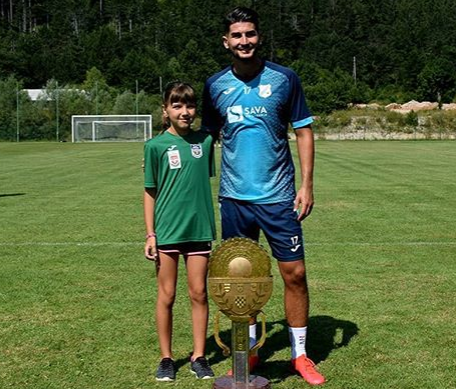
column 77, row 296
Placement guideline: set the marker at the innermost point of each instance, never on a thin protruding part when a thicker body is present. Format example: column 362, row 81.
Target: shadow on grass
column 11, row 194
column 325, row 334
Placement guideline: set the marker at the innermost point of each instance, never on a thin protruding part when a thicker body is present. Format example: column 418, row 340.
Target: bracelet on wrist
column 151, row 235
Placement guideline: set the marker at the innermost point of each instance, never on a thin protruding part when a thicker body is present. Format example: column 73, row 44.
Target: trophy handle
column 225, row 349
column 260, row 343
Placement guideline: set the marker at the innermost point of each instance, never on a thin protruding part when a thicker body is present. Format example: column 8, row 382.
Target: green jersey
column 179, row 168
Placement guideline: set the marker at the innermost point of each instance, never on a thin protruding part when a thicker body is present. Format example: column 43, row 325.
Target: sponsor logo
column 255, row 111
column 174, row 159
column 237, row 113
column 197, row 151
column 229, row 90
column 265, row 91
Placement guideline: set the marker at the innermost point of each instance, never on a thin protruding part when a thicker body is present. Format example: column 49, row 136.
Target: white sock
column 298, row 341
column 252, row 335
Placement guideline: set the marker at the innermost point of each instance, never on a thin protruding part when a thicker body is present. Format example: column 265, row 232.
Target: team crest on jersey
column 197, row 151
column 174, row 159
column 265, row 90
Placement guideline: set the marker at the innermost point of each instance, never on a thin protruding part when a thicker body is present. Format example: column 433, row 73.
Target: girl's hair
column 241, row 15
column 177, row 92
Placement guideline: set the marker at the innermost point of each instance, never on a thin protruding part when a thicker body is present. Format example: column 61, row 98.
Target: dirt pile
column 412, row 105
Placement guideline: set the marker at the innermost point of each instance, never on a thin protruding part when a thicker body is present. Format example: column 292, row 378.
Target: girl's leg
column 196, row 279
column 166, row 278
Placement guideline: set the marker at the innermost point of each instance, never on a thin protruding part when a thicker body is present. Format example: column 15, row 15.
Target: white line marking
column 88, row 244
column 384, row 244
column 120, row 244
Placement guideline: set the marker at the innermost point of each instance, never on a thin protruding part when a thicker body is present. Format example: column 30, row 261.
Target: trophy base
column 227, row 382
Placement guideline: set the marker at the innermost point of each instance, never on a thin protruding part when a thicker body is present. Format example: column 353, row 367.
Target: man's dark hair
column 242, row 15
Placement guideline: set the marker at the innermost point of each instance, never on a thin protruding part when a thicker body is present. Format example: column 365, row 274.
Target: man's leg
column 296, row 296
column 296, row 300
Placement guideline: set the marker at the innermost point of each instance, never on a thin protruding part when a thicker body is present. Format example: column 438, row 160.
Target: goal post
column 111, row 128
column 117, row 129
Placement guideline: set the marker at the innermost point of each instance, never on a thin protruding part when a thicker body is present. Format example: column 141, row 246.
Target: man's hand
column 304, row 203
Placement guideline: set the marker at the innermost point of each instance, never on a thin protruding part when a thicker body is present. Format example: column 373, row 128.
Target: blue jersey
column 253, row 117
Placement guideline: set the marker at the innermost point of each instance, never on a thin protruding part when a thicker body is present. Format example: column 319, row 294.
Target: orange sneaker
column 254, row 361
column 306, row 369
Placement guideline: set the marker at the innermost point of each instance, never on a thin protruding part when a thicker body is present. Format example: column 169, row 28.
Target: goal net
column 111, row 128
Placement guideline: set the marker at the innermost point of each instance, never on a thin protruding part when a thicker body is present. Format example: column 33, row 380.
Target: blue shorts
column 279, row 223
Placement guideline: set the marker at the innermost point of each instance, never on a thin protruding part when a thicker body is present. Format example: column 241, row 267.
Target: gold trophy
column 240, row 283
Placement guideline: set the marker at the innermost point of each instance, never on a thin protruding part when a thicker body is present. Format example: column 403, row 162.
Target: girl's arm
column 150, row 249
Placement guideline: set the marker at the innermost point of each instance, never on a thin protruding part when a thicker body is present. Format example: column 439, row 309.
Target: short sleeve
column 300, row 115
column 150, row 166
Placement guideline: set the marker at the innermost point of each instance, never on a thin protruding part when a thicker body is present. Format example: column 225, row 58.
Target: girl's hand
column 150, row 249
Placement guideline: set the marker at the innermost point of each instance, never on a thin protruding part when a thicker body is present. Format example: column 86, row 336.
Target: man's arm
column 304, row 200
column 211, row 123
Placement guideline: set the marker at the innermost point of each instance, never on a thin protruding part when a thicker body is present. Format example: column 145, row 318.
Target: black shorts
column 187, row 248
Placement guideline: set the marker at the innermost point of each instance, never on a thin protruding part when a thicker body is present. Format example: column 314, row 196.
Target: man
column 251, row 103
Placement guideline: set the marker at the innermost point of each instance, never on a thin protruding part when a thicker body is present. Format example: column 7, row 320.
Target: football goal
column 111, row 128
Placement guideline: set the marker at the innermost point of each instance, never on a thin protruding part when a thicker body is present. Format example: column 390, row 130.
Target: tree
column 99, row 93
column 9, row 88
column 436, row 82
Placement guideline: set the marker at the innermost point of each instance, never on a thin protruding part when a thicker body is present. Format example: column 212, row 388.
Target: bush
column 411, row 119
column 393, row 94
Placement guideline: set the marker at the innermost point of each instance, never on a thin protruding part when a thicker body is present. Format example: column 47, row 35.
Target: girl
column 179, row 218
